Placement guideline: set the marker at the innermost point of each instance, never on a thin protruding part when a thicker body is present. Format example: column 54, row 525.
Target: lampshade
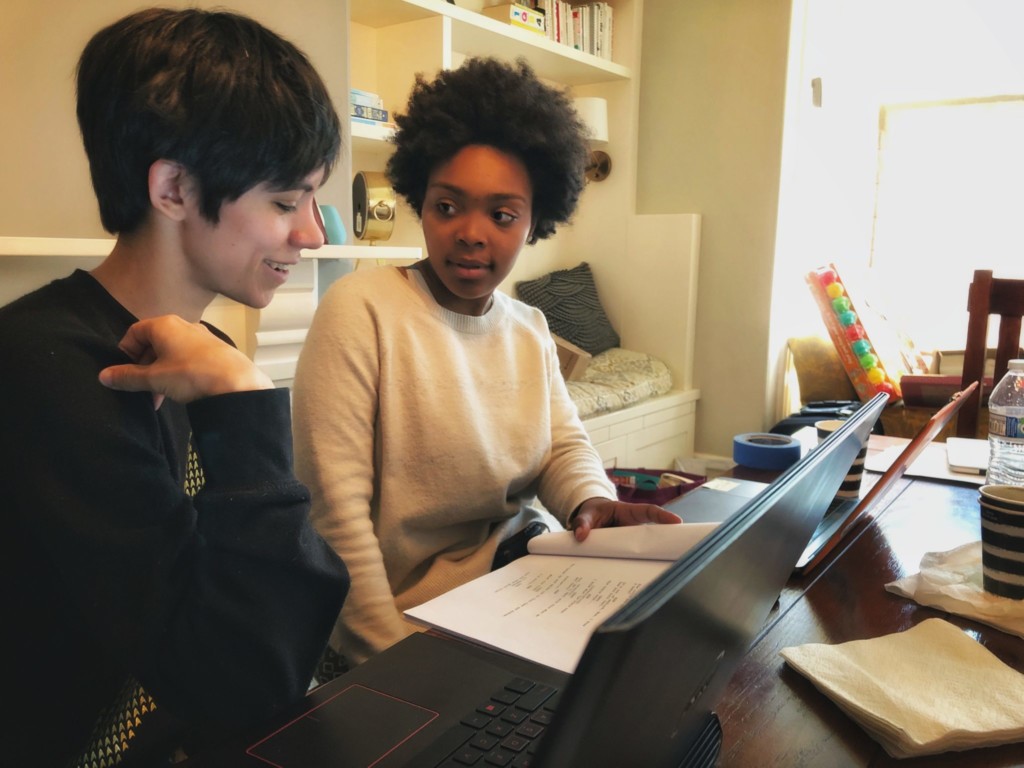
column 593, row 111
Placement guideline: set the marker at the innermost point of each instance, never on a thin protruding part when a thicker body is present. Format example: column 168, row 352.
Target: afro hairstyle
column 501, row 105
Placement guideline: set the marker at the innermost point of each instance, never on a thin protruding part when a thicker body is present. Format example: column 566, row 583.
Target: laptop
column 967, row 456
column 645, row 687
column 715, row 502
column 843, row 513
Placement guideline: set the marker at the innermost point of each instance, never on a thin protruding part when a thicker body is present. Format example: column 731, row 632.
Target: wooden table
column 772, row 716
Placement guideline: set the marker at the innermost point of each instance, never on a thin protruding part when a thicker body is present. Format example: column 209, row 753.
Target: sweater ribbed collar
column 475, row 324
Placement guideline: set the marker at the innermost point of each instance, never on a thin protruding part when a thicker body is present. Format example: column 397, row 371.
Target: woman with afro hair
column 430, row 411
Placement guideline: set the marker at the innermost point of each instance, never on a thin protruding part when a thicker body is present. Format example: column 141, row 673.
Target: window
column 949, row 200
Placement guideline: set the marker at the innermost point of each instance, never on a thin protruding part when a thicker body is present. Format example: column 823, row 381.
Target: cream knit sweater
column 424, row 437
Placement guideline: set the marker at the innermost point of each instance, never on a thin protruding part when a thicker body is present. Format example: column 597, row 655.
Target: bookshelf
column 391, row 41
column 473, row 34
column 639, row 261
column 645, row 265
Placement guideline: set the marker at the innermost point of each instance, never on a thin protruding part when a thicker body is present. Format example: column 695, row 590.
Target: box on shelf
column 934, row 390
column 389, row 125
column 517, row 15
column 951, row 362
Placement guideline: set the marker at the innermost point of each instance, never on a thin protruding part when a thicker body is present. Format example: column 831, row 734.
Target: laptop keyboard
column 505, row 729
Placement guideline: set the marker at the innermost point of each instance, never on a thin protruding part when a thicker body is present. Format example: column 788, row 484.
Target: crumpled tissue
column 952, row 582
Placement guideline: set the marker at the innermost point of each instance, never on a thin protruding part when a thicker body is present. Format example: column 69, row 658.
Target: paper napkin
column 951, row 581
column 927, row 690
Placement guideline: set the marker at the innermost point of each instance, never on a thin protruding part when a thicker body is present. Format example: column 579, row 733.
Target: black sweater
column 113, row 571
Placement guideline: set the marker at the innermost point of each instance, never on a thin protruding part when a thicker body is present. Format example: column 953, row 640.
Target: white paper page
column 540, row 607
column 931, row 463
column 649, row 542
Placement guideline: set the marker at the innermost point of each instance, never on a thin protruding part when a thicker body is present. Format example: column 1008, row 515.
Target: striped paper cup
column 850, row 488
column 1002, row 540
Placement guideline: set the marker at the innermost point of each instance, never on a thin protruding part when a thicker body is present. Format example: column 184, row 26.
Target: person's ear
column 168, row 187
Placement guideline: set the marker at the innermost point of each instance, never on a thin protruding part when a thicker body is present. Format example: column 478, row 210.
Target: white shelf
column 371, row 138
column 378, row 252
column 474, row 34
column 55, row 246
column 91, row 247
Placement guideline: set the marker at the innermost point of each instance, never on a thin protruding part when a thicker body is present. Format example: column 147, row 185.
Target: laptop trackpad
column 336, row 733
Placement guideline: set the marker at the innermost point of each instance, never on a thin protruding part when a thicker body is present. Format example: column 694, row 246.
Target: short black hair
column 497, row 104
column 234, row 103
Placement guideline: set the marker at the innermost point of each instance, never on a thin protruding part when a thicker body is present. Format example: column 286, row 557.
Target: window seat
column 631, row 412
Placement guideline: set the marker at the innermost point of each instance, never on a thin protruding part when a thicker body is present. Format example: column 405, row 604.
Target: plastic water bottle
column 1006, row 428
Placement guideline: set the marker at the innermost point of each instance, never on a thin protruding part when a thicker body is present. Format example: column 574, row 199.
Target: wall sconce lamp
column 593, row 111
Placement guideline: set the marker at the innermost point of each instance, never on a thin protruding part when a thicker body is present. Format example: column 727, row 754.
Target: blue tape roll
column 759, row 450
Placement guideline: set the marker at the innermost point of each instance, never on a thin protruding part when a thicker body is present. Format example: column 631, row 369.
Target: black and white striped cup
column 850, row 489
column 1002, row 540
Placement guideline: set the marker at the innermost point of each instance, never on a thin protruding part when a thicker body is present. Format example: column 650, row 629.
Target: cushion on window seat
column 618, row 378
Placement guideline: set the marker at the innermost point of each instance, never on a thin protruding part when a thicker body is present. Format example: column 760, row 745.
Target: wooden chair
column 989, row 296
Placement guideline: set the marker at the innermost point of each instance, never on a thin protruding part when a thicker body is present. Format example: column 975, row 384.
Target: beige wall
column 711, row 103
column 46, row 179
column 710, row 139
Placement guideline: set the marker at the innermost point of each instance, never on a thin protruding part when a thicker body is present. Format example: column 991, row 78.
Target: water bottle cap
column 1015, row 365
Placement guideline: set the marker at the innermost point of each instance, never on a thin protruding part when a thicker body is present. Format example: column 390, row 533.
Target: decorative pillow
column 568, row 299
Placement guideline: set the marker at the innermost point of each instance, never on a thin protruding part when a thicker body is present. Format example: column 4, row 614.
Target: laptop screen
column 645, row 688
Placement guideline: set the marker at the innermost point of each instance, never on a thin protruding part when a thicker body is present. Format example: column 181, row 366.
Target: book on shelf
column 600, row 24
column 357, row 97
column 371, row 113
column 390, row 126
column 587, row 27
column 596, row 29
column 553, row 22
column 544, row 8
column 607, row 15
column 578, row 27
column 593, row 19
column 519, row 15
column 545, row 605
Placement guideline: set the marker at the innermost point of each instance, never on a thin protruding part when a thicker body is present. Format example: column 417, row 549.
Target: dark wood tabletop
column 773, row 716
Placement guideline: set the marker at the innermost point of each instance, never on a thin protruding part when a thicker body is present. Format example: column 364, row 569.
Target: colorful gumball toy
column 861, row 360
